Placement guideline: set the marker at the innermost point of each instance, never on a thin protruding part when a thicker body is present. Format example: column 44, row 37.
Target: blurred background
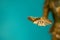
column 14, row 24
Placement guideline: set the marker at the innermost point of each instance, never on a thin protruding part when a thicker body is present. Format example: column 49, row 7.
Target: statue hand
column 40, row 21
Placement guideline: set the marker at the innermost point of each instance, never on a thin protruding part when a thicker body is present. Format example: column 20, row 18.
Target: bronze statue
column 54, row 7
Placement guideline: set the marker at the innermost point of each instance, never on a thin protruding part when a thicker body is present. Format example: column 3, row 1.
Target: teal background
column 14, row 24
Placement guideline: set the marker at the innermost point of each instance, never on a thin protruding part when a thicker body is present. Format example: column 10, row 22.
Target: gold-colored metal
column 40, row 21
column 54, row 7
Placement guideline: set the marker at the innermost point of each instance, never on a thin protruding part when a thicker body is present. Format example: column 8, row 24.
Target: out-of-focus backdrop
column 14, row 24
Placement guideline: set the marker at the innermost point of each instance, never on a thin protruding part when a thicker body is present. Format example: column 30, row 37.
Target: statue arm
column 46, row 9
column 43, row 21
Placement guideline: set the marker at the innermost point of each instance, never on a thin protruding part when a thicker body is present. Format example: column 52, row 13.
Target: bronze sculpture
column 54, row 7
